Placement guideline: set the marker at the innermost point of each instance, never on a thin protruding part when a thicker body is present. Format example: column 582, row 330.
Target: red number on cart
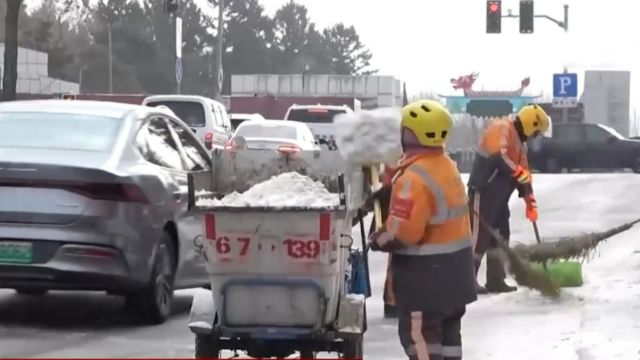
column 302, row 249
column 224, row 245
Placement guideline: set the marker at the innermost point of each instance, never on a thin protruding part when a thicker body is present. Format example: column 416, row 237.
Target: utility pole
column 218, row 77
column 110, row 62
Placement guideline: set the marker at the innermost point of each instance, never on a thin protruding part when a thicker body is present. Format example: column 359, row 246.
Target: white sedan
column 273, row 134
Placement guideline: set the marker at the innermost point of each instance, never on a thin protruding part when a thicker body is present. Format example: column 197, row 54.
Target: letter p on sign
column 565, row 85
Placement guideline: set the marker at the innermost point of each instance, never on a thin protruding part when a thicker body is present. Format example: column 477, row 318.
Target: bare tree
column 10, row 78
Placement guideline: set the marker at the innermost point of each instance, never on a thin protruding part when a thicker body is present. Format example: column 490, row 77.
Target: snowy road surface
column 600, row 320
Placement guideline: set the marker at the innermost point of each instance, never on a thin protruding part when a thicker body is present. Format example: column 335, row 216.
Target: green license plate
column 16, row 252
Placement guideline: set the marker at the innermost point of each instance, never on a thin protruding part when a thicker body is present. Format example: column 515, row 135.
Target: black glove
column 524, row 190
column 381, row 241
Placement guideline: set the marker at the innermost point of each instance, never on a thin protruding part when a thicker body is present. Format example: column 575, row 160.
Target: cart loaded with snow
column 285, row 274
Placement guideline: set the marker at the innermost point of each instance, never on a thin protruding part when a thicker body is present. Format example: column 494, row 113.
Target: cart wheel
column 207, row 347
column 353, row 348
column 307, row 355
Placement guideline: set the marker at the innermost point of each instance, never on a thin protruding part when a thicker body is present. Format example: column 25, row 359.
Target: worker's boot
column 496, row 273
column 481, row 290
column 390, row 311
column 500, row 287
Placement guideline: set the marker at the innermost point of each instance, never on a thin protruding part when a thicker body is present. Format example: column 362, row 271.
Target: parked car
column 237, row 119
column 584, row 146
column 273, row 134
column 207, row 118
column 319, row 118
column 93, row 196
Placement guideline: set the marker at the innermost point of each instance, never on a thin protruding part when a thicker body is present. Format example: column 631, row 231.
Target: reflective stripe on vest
column 434, row 249
column 443, row 212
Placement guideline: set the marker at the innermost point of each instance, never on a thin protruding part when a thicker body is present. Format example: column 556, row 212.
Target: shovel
column 564, row 273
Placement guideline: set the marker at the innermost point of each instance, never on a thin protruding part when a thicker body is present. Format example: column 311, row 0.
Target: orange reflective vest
column 428, row 213
column 432, row 258
column 501, row 139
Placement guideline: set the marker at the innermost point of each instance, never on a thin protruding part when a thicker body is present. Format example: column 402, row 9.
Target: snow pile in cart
column 371, row 134
column 289, row 189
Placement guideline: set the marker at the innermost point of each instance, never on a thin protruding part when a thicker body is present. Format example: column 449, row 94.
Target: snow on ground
column 600, row 320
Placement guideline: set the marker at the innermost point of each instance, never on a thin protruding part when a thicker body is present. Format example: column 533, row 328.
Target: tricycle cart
column 282, row 278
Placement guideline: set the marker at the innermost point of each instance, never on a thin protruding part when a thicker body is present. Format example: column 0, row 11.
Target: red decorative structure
column 466, row 82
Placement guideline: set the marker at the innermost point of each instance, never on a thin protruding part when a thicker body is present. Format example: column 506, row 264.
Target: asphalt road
column 80, row 324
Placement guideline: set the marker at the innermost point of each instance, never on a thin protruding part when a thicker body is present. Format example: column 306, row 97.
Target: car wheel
column 636, row 166
column 153, row 302
column 31, row 292
column 353, row 348
column 552, row 165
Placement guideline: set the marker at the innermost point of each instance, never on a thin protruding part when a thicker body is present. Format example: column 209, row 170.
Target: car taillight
column 208, row 140
column 230, row 145
column 98, row 191
column 288, row 149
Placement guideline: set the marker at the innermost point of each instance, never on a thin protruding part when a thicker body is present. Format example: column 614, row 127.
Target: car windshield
column 39, row 130
column 267, row 131
column 612, row 131
column 191, row 112
column 319, row 115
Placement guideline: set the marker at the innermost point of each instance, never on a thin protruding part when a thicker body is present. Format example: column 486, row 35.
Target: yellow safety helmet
column 534, row 120
column 429, row 121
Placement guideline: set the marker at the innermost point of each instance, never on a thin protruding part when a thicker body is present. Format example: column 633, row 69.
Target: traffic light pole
column 563, row 24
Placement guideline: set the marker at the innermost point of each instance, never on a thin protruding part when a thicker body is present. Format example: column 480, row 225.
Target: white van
column 319, row 118
column 206, row 117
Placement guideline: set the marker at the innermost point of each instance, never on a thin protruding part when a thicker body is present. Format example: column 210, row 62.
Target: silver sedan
column 93, row 196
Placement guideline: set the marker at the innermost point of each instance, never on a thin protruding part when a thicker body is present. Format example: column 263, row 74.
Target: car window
column 191, row 112
column 39, row 130
column 598, row 135
column 216, row 113
column 236, row 122
column 157, row 146
column 569, row 134
column 196, row 159
column 267, row 130
column 310, row 116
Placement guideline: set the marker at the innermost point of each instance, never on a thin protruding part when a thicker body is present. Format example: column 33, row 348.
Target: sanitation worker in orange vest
column 429, row 237
column 384, row 196
column 500, row 167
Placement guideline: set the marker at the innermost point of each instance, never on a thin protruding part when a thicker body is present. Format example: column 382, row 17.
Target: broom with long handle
column 520, row 268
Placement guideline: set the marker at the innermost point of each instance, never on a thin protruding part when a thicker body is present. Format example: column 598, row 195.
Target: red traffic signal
column 494, row 16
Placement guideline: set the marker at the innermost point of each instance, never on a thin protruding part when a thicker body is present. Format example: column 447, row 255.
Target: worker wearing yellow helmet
column 428, row 235
column 500, row 167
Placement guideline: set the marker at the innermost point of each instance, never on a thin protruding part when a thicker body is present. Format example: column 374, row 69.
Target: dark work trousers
column 431, row 336
column 492, row 203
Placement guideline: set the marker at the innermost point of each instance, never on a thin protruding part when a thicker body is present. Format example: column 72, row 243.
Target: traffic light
column 170, row 6
column 526, row 16
column 68, row 97
column 494, row 16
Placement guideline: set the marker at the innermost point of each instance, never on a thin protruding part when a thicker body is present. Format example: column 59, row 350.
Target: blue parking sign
column 565, row 85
